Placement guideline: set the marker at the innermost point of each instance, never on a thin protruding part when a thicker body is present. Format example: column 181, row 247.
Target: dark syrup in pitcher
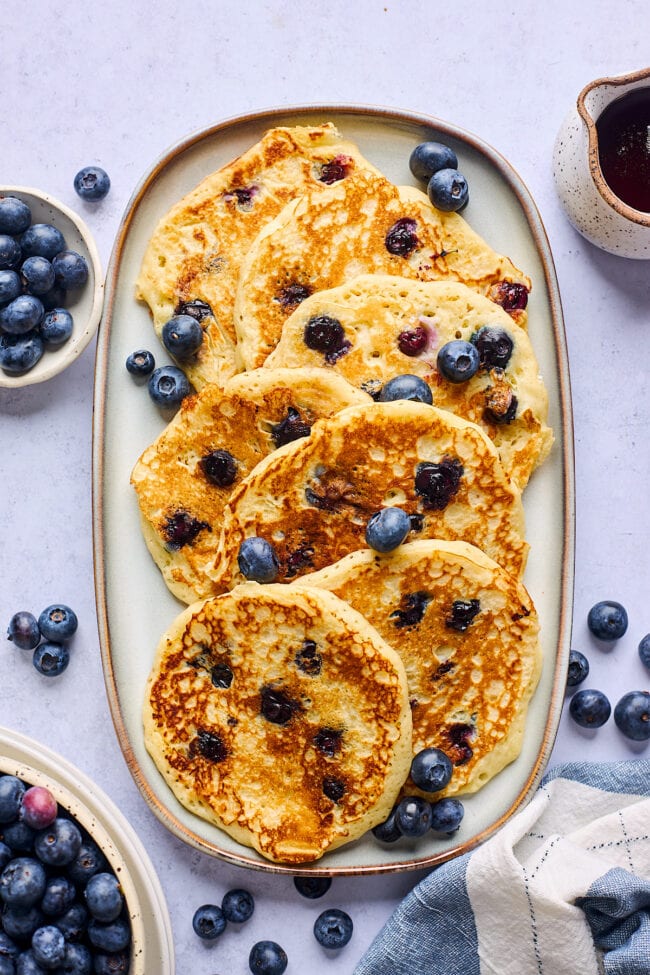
column 624, row 148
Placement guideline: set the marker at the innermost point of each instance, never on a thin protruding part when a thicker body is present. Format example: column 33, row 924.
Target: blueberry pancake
column 184, row 479
column 281, row 716
column 192, row 261
column 467, row 633
column 387, row 326
column 362, row 225
column 311, row 500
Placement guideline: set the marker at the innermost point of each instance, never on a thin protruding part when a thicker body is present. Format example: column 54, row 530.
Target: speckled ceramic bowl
column 152, row 945
column 85, row 304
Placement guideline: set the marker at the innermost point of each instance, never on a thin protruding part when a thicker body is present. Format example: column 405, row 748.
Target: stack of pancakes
column 288, row 713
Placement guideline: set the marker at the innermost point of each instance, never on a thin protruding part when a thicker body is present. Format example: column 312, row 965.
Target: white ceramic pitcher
column 593, row 209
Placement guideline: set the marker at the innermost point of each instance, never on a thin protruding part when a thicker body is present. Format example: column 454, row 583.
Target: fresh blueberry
column 92, row 183
column 21, row 315
column 427, row 158
column 10, row 253
column 48, row 946
column 77, row 960
column 607, row 620
column 219, row 468
column 88, row 861
column 19, row 353
column 237, row 905
column 15, row 215
column 58, row 622
column 73, row 922
column 54, row 298
column 59, row 843
column 257, row 560
column 448, row 190
column 182, row 336
column 447, row 815
column 644, row 650
column 7, row 965
column 70, row 270
column 21, row 922
column 43, row 240
column 12, row 790
column 19, row 837
column 388, row 831
column 590, row 708
column 39, row 807
column 10, row 286
column 117, row 963
column 111, row 937
column 140, row 363
column 431, row 770
column 23, row 630
column 387, row 529
column 267, row 958
column 103, row 896
column 22, row 882
column 60, row 894
column 458, row 361
column 578, row 668
column 51, row 659
column 333, row 928
column 168, row 387
column 312, row 887
column 494, row 347
column 26, row 964
column 413, row 816
column 209, row 922
column 56, row 327
column 37, row 275
column 8, row 949
column 408, row 387
column 632, row 715
column 5, row 856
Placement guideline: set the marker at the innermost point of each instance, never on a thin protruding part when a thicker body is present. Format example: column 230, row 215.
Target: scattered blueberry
column 92, row 183
column 103, row 896
column 312, row 887
column 56, row 327
column 458, row 361
column 37, row 275
column 182, row 336
column 38, row 808
column 407, row 387
column 21, row 315
column 51, row 659
column 19, row 353
column 387, row 529
column 632, row 715
column 428, row 157
column 10, row 286
column 607, row 620
column 333, row 928
column 70, row 270
column 140, row 363
column 257, row 560
column 48, row 946
column 413, row 816
column 168, row 387
column 23, row 630
column 58, row 622
column 644, row 650
column 267, row 958
column 237, row 905
column 42, row 240
column 494, row 346
column 448, row 190
column 388, row 831
column 578, row 668
column 447, row 815
column 590, row 708
column 15, row 215
column 431, row 770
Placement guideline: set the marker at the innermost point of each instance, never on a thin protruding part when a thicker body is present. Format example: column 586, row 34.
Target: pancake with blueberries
column 280, row 715
column 192, row 261
column 311, row 500
column 384, row 326
column 184, row 479
column 467, row 633
column 362, row 225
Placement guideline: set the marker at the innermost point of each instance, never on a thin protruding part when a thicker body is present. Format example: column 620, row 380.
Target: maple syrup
column 623, row 131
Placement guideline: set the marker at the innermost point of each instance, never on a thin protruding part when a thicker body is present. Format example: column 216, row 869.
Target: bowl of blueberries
column 77, row 891
column 51, row 286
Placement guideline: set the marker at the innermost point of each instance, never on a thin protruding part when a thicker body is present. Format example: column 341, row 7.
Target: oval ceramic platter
column 134, row 605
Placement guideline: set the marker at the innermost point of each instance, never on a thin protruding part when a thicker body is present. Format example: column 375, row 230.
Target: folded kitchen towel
column 563, row 888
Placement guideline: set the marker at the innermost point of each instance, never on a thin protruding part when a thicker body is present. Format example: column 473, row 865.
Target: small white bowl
column 85, row 304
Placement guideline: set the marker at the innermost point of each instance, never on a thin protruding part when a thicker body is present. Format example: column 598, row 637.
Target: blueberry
column 257, row 560
column 267, row 958
column 463, row 613
column 7, row 965
column 413, row 816
column 60, row 894
column 632, row 715
column 77, row 960
column 333, row 928
column 402, row 239
column 51, row 659
column 388, row 831
column 10, row 286
column 10, row 253
column 219, row 468
column 23, row 630
column 5, row 857
column 431, row 770
column 182, row 336
column 111, row 937
column 168, row 387
column 607, row 620
column 511, row 295
column 12, row 790
column 88, row 861
column 447, row 815
column 494, row 346
column 48, row 946
column 237, row 905
column 103, row 896
column 578, row 668
column 22, row 882
column 15, row 215
column 387, row 529
column 58, row 622
column 407, row 387
column 56, row 327
column 438, row 483
column 117, row 963
column 70, row 270
column 73, row 922
column 458, row 361
column 19, row 837
column 19, row 353
column 291, row 428
column 37, row 275
column 326, row 334
column 43, row 240
column 312, row 887
column 21, row 315
column 448, row 190
column 39, row 807
column 412, row 341
column 54, row 298
column 8, row 949
column 92, row 183
column 140, row 363
column 209, row 922
column 644, row 650
column 59, row 844
column 427, row 158
column 21, row 922
column 590, row 708
column 26, row 964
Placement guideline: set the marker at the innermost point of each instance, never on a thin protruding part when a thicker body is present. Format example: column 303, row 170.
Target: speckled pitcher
column 593, row 209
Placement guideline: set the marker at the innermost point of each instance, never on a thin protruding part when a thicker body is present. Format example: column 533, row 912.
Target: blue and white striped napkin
column 562, row 889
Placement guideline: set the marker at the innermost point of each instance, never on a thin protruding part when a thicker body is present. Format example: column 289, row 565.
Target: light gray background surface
column 116, row 85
